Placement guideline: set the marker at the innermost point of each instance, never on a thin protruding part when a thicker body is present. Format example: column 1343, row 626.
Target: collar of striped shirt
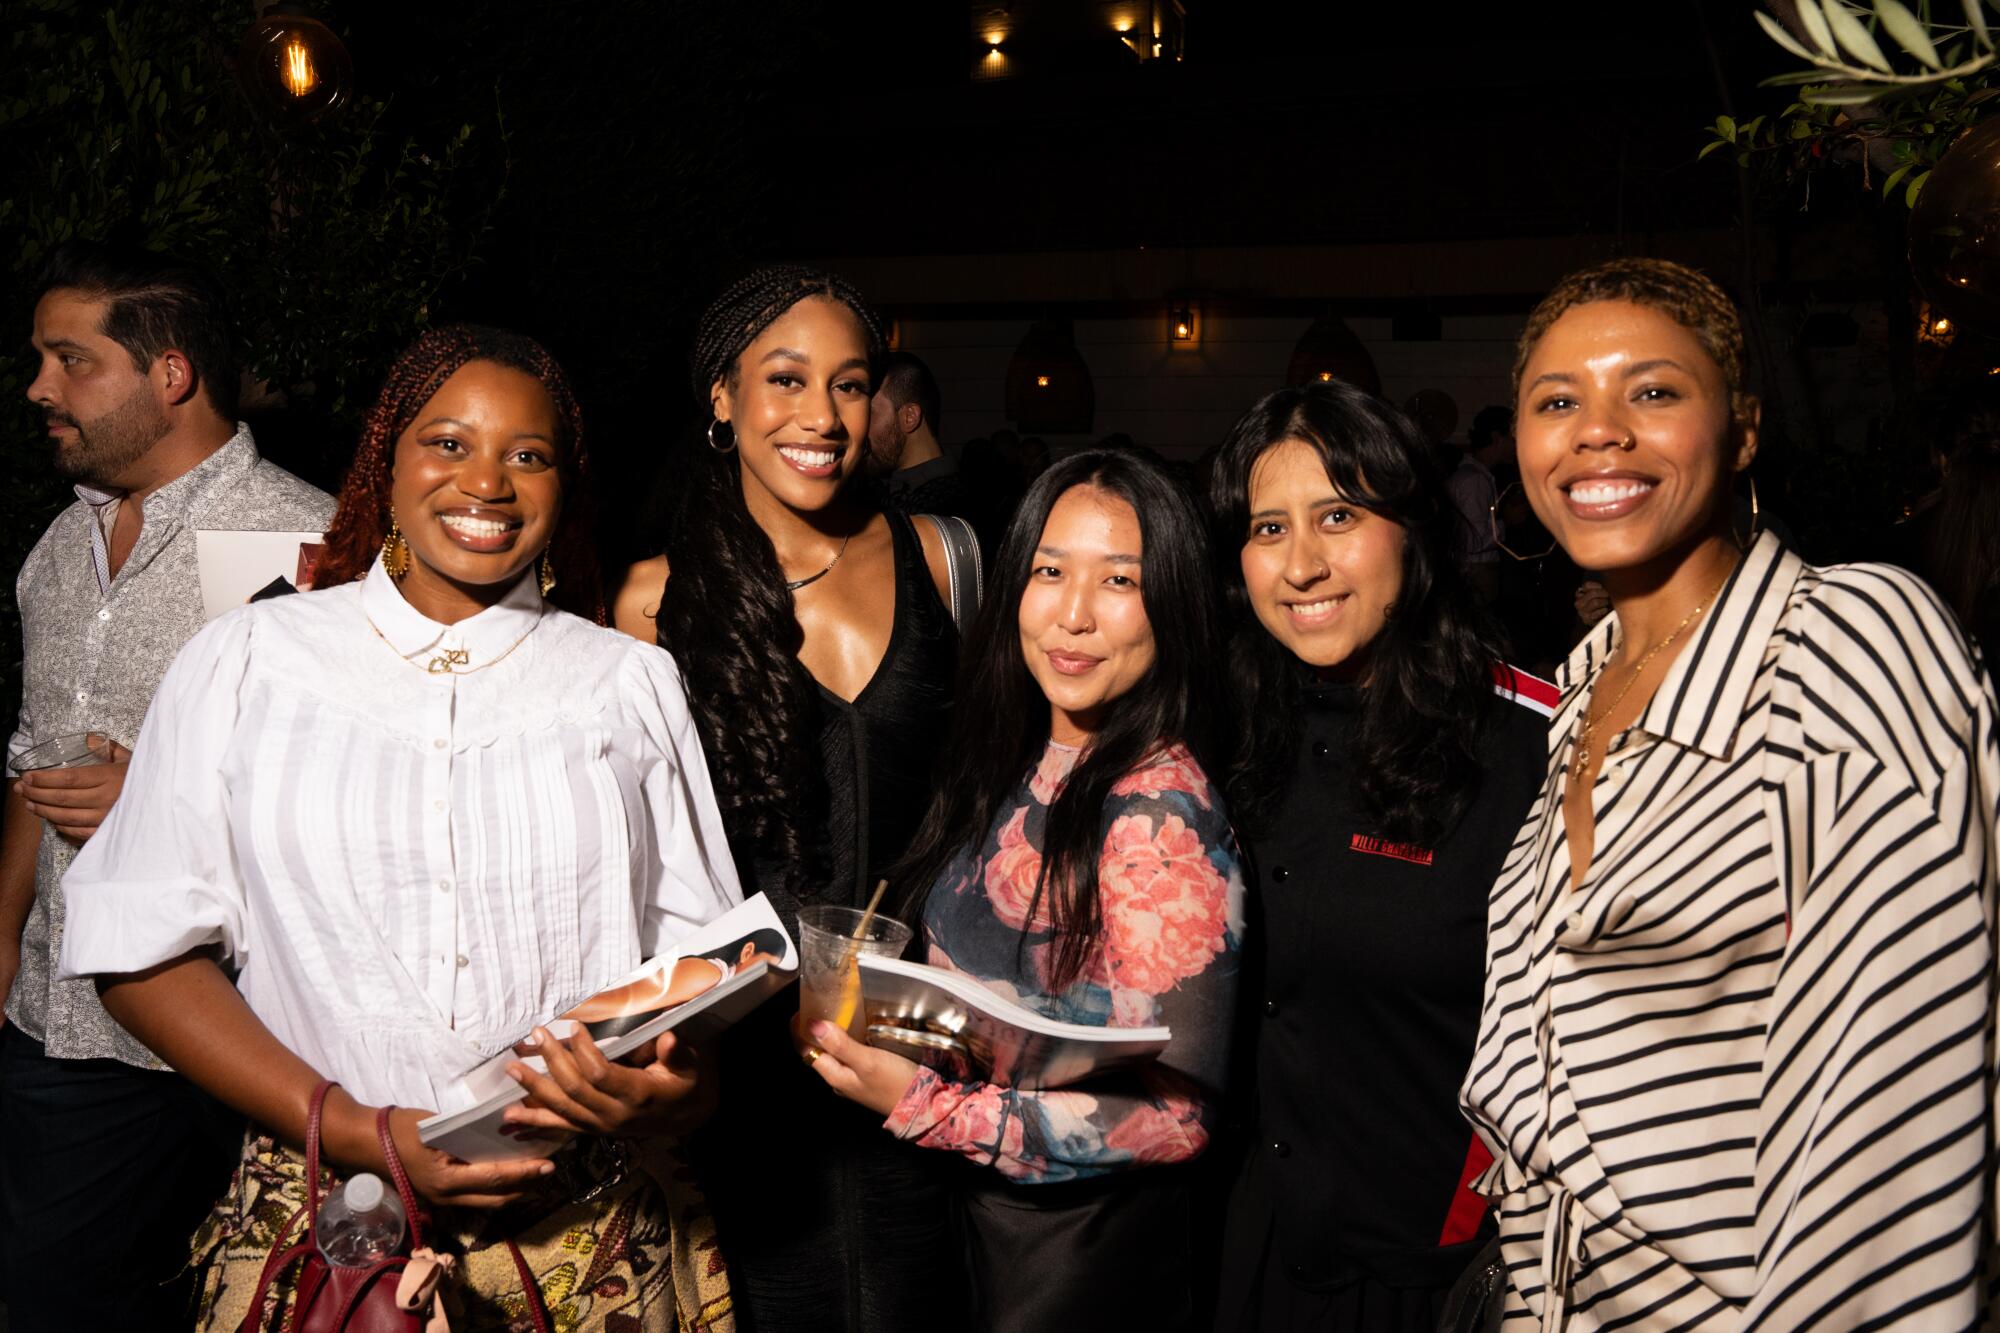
column 1706, row 693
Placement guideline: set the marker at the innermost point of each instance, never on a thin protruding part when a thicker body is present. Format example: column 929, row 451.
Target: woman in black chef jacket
column 1386, row 758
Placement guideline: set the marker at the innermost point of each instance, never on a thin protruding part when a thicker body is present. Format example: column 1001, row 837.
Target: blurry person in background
column 916, row 475
column 1962, row 543
column 109, row 1159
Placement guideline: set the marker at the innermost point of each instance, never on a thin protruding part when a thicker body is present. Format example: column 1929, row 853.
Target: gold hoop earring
column 1756, row 519
column 720, row 448
column 1493, row 526
column 395, row 552
column 546, row 574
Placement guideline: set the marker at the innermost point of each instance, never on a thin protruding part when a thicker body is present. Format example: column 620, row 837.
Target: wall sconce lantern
column 1183, row 325
column 294, row 64
column 1041, row 381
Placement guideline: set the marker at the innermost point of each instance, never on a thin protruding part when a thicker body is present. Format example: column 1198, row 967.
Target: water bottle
column 360, row 1223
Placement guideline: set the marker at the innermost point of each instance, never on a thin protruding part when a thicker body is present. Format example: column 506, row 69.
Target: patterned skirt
column 614, row 1245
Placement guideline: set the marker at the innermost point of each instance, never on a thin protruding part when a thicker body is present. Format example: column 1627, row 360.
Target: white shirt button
column 444, row 886
column 1574, row 921
column 439, row 743
column 83, row 696
column 437, row 805
column 462, row 960
column 104, row 613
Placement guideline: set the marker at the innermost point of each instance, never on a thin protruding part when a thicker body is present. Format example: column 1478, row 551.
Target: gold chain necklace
column 448, row 660
column 1586, row 726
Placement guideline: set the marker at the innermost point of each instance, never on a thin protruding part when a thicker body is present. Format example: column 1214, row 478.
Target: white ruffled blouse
column 411, row 841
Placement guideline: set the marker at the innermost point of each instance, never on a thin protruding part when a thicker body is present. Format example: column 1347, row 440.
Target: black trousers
column 105, row 1172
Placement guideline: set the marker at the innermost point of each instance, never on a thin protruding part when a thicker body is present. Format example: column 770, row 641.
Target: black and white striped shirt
column 1744, row 1076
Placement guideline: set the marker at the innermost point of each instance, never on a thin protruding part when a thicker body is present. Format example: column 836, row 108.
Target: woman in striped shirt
column 1736, row 1056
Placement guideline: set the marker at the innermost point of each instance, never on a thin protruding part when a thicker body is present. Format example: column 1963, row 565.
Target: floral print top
column 1171, row 887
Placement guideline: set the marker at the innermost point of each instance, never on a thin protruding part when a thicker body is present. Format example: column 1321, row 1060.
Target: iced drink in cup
column 72, row 751
column 829, row 973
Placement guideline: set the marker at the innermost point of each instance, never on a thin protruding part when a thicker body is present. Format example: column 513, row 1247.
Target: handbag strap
column 314, row 1115
column 404, row 1190
column 281, row 1258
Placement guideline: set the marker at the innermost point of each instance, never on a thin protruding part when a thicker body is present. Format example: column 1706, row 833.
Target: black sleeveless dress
column 825, row 1221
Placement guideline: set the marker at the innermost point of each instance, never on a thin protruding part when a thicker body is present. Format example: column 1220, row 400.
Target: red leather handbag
column 397, row 1294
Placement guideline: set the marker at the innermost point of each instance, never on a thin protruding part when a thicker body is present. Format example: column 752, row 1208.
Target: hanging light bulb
column 299, row 76
column 294, row 64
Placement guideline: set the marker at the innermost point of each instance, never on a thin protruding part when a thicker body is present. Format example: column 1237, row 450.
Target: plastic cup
column 75, row 750
column 829, row 973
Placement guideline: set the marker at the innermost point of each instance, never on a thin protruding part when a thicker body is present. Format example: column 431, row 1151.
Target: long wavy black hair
column 727, row 614
column 1429, row 683
column 1000, row 724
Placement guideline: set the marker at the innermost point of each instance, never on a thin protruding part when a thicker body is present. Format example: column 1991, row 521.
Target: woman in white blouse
column 1736, row 1056
column 377, row 832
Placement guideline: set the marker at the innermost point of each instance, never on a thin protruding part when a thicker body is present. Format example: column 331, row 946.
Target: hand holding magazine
column 965, row 1030
column 709, row 980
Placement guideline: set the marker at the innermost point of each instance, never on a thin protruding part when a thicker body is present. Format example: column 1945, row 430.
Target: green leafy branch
column 1841, row 40
column 1894, row 123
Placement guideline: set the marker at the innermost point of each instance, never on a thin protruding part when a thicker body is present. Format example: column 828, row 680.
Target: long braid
column 728, row 616
column 361, row 521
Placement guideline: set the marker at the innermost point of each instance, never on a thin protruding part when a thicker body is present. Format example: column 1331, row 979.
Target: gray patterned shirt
column 91, row 659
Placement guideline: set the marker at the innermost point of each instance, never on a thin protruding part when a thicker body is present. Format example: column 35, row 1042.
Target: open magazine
column 709, row 980
column 959, row 1027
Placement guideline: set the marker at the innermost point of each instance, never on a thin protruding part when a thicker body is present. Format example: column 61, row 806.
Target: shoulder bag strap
column 284, row 1256
column 965, row 573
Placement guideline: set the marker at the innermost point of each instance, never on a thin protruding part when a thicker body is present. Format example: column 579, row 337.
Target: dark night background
column 620, row 161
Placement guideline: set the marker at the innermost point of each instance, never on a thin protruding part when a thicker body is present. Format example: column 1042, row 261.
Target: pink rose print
column 1165, row 907
column 980, row 1124
column 1011, row 875
column 1173, row 769
column 1132, row 1008
column 1051, row 773
column 1170, row 1133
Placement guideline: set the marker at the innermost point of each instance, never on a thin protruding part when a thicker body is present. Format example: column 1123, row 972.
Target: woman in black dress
column 1385, row 758
column 818, row 654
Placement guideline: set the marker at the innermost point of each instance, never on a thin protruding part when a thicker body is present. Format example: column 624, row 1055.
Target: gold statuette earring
column 546, row 574
column 395, row 552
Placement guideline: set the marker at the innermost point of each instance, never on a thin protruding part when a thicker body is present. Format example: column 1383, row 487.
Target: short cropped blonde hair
column 1685, row 295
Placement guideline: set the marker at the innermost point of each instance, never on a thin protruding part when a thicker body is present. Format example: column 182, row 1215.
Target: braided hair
column 361, row 522
column 728, row 616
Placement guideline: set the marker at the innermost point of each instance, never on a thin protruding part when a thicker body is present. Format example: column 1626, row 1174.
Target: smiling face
column 103, row 412
column 1085, row 635
column 1625, row 439
column 797, row 400
column 1322, row 572
column 475, row 487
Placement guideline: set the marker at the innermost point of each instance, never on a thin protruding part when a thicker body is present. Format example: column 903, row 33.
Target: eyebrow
column 793, row 354
column 1321, row 503
column 454, row 421
column 1552, row 376
column 1117, row 558
column 1657, row 363
column 62, row 344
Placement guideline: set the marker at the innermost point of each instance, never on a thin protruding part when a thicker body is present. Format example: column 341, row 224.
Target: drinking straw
column 850, row 981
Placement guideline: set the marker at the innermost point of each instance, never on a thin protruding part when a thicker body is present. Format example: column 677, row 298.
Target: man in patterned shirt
column 108, row 1160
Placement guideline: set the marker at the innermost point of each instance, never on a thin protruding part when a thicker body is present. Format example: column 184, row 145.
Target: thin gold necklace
column 449, row 661
column 1586, row 726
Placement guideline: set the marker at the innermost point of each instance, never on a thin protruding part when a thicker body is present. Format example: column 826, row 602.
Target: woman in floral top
column 1105, row 888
